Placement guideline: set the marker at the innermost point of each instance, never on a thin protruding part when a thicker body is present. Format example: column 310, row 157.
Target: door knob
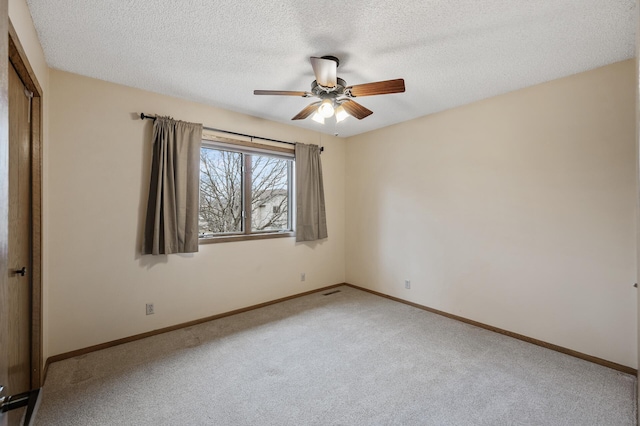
column 21, row 271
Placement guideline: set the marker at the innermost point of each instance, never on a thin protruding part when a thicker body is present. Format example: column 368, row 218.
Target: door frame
column 637, row 60
column 18, row 58
column 4, row 195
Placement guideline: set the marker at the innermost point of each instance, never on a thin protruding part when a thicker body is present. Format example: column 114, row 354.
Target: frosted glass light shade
column 341, row 113
column 326, row 108
column 317, row 118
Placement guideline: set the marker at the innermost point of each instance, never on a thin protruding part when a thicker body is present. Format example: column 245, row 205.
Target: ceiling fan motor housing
column 329, row 92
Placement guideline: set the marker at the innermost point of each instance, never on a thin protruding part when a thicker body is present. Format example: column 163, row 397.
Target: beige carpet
column 349, row 358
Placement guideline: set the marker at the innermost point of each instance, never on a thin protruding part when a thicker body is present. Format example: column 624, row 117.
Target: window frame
column 247, row 149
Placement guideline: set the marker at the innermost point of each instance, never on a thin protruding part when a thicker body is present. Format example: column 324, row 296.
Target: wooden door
column 19, row 258
column 4, row 197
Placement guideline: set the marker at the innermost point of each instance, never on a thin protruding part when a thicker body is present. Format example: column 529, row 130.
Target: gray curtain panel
column 311, row 220
column 172, row 211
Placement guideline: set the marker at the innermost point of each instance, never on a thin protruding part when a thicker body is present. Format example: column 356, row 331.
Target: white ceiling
column 450, row 52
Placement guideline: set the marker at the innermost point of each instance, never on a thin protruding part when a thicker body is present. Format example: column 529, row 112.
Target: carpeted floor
column 349, row 358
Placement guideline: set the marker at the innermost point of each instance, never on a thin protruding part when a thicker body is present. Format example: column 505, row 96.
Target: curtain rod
column 151, row 117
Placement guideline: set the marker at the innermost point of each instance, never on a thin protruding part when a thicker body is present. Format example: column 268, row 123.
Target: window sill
column 245, row 237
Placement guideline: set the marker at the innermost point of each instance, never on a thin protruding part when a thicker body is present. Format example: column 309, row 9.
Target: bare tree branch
column 221, row 192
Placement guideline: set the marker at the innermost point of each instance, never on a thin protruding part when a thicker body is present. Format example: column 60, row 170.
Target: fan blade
column 326, row 71
column 307, row 111
column 281, row 92
column 378, row 88
column 356, row 110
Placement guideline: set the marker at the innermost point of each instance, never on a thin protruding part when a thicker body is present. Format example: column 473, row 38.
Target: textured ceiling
column 450, row 52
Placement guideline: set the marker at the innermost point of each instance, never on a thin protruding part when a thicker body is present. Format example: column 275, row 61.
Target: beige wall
column 98, row 183
column 517, row 211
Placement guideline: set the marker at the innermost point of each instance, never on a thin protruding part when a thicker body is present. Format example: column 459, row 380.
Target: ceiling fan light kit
column 317, row 118
column 326, row 108
column 341, row 113
column 334, row 94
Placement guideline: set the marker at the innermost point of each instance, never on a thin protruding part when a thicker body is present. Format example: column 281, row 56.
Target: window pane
column 220, row 192
column 269, row 193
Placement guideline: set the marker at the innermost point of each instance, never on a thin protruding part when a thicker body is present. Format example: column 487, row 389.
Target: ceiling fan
column 334, row 94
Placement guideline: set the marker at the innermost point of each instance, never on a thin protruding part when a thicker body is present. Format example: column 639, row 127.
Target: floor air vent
column 331, row 292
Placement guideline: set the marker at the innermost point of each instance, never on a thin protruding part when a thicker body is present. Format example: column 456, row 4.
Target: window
column 245, row 192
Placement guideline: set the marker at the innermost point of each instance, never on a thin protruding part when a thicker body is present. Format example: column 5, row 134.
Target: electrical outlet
column 303, row 276
column 407, row 284
column 150, row 309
